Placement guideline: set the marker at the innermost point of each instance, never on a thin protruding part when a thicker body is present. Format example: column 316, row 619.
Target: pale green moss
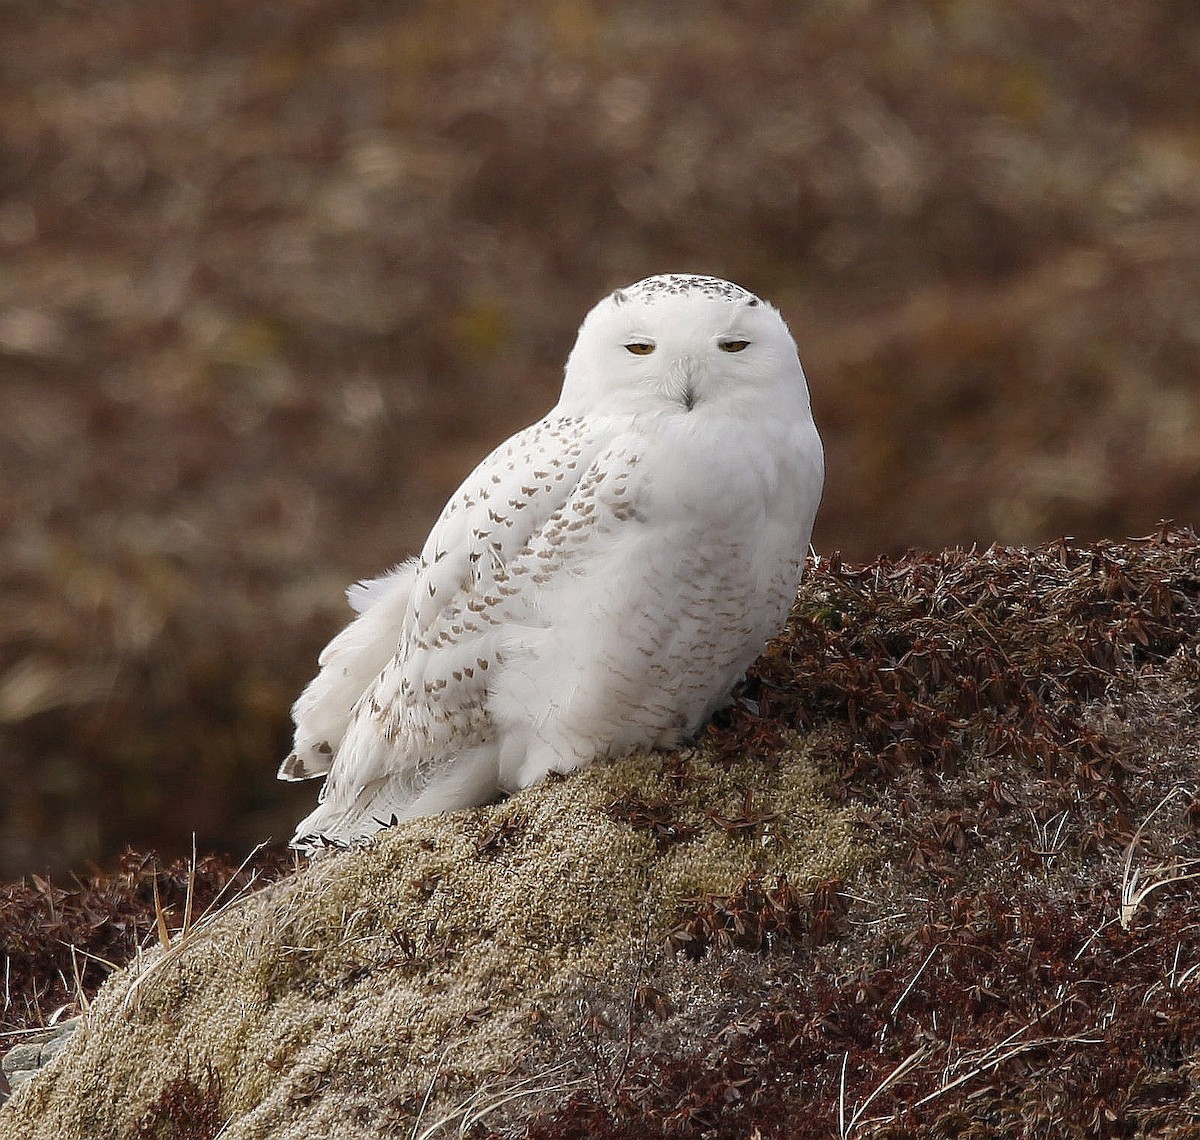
column 328, row 1002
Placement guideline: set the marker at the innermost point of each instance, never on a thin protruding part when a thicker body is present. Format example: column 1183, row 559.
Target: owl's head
column 682, row 342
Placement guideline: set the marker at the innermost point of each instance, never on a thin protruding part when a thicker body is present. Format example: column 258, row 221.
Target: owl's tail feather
column 469, row 780
column 348, row 664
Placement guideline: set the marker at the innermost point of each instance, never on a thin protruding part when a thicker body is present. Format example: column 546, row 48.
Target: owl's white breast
column 691, row 564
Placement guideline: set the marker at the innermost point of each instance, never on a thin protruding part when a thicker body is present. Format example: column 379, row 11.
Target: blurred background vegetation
column 274, row 275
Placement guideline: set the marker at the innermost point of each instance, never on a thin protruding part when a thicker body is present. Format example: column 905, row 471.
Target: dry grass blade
column 106, row 917
column 160, row 918
column 910, row 1062
column 491, row 1097
column 981, row 1063
column 912, row 982
column 842, row 1095
column 80, row 993
column 1137, row 885
column 191, row 890
column 110, row 966
column 172, row 949
column 984, row 1066
column 1135, row 891
column 437, row 1072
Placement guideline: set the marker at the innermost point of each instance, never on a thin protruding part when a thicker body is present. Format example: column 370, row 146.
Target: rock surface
column 36, row 1051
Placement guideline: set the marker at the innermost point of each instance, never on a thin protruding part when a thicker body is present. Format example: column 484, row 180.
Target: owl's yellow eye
column 639, row 347
column 732, row 345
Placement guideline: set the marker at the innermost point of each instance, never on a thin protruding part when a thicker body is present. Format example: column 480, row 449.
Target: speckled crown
column 679, row 284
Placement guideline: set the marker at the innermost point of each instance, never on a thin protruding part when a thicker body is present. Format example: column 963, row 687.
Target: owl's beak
column 681, row 382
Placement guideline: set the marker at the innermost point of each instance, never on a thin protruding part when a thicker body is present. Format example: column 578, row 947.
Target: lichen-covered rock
column 36, row 1051
column 393, row 984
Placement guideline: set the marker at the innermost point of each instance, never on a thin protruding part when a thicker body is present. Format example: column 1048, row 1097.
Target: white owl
column 599, row 583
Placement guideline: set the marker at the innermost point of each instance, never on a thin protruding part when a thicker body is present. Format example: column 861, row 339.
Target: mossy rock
column 388, row 986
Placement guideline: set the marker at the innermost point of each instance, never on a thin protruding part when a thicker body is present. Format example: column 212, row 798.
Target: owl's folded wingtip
column 295, row 767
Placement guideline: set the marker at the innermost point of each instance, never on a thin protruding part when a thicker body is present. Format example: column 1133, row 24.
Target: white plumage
column 599, row 582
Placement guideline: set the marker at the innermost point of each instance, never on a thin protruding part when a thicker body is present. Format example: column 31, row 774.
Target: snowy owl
column 599, row 583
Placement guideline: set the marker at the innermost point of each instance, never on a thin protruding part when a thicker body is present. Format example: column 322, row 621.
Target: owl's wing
column 348, row 664
column 501, row 540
